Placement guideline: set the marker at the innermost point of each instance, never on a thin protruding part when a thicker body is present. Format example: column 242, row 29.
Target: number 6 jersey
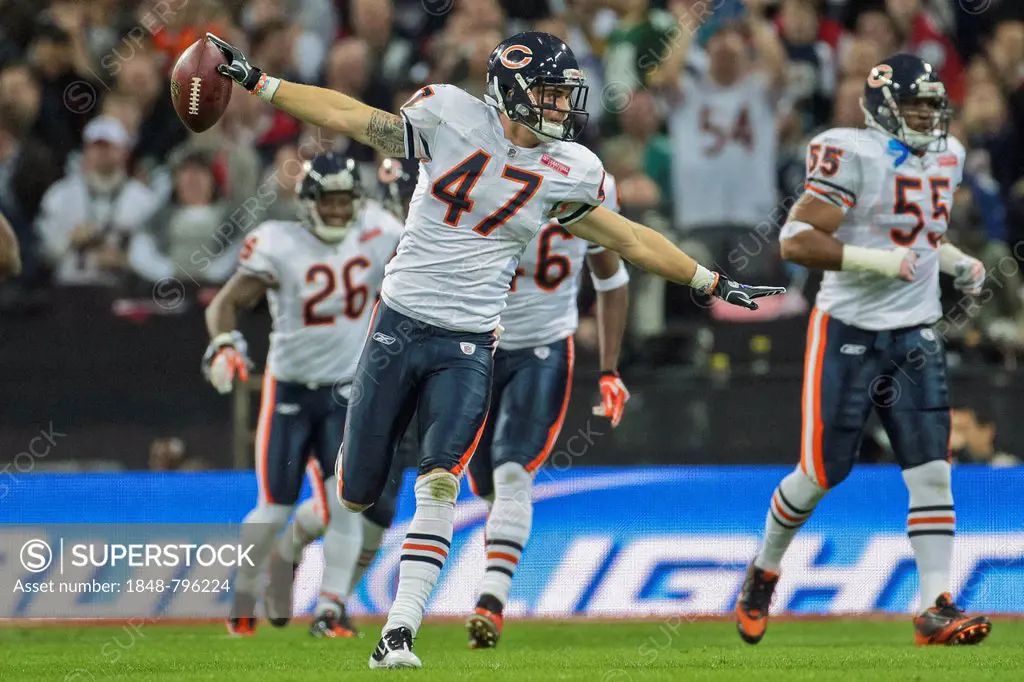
column 541, row 306
column 891, row 198
column 322, row 295
column 479, row 200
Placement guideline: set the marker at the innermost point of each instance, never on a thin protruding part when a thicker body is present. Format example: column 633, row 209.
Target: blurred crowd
column 701, row 109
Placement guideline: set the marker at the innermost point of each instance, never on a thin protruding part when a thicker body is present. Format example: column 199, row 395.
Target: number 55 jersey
column 891, row 198
column 322, row 295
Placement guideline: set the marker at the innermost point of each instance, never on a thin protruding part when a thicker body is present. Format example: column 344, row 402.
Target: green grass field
column 594, row 652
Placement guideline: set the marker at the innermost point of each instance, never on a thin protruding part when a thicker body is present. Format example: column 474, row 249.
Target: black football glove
column 238, row 68
column 742, row 294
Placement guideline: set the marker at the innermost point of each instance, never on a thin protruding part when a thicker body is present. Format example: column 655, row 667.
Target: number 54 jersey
column 478, row 201
column 322, row 295
column 891, row 198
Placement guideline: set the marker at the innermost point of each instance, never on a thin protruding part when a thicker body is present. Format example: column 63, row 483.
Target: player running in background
column 491, row 175
column 533, row 370
column 321, row 276
column 874, row 217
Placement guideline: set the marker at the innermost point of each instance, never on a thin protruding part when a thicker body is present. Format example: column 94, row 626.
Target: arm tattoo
column 386, row 133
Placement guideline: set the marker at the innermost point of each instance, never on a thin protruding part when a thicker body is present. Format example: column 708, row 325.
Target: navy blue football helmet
column 542, row 61
column 324, row 174
column 900, row 80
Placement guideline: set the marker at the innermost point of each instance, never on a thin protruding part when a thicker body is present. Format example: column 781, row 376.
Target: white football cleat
column 394, row 650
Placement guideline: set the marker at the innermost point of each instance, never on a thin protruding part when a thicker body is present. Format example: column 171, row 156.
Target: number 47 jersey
column 479, row 200
column 892, row 198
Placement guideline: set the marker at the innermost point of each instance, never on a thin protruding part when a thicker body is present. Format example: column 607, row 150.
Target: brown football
column 199, row 93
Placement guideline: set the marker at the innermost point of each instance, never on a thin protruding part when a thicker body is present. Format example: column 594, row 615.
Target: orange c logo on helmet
column 880, row 75
column 526, row 58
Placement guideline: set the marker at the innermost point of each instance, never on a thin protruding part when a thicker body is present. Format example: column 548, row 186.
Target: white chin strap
column 330, row 233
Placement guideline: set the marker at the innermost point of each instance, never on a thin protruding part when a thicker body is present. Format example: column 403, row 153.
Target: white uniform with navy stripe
column 541, row 306
column 891, row 198
column 322, row 295
column 870, row 342
column 321, row 300
column 478, row 202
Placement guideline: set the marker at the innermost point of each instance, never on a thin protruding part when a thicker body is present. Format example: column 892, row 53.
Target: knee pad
column 512, row 481
column 441, row 486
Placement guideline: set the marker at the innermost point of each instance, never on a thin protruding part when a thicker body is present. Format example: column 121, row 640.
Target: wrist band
column 619, row 279
column 266, row 87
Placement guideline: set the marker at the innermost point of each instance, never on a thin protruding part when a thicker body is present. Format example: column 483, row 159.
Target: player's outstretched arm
column 227, row 355
column 611, row 282
column 319, row 106
column 653, row 252
column 808, row 239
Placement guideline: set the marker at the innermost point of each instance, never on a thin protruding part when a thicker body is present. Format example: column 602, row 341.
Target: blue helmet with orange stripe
column 905, row 98
column 532, row 73
column 331, row 195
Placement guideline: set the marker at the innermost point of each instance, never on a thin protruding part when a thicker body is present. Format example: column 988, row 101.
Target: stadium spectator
column 185, row 230
column 810, row 77
column 846, row 109
column 922, row 36
column 859, row 57
column 68, row 95
column 641, row 125
column 281, row 177
column 160, row 130
column 973, row 437
column 640, row 40
column 347, row 70
column 272, row 43
column 174, row 31
column 873, row 23
column 723, row 128
column 27, row 169
column 88, row 218
column 372, row 20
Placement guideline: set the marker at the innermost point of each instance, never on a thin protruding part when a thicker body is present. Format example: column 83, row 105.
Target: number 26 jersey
column 478, row 202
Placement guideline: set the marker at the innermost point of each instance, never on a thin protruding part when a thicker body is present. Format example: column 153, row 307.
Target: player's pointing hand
column 742, row 294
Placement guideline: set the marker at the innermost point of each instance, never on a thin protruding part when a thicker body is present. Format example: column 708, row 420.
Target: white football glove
column 969, row 276
column 225, row 359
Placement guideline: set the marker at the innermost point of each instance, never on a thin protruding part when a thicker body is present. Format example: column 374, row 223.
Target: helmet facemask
column 894, row 116
column 327, row 220
column 528, row 100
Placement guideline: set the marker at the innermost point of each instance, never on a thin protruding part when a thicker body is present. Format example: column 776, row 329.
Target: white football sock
column 425, row 549
column 307, row 526
column 930, row 525
column 373, row 535
column 791, row 505
column 259, row 529
column 342, row 541
column 508, row 528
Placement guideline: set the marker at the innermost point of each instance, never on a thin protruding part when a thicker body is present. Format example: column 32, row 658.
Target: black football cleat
column 946, row 623
column 331, row 624
column 394, row 650
column 753, row 602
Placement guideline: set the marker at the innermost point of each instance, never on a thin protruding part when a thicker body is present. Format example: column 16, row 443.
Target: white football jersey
column 723, row 144
column 541, row 306
column 891, row 198
column 322, row 295
column 479, row 200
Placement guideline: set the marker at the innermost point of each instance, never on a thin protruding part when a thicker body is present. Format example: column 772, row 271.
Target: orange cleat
column 484, row 628
column 753, row 602
column 946, row 623
column 330, row 624
column 241, row 627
